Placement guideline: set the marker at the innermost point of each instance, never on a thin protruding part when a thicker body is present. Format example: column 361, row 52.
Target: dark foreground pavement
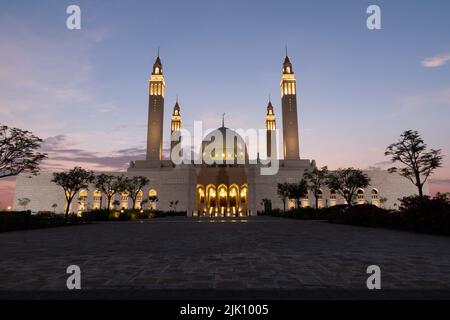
column 260, row 257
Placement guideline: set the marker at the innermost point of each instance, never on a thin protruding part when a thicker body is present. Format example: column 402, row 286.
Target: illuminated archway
column 360, row 196
column 97, row 199
column 333, row 197
column 222, row 192
column 82, row 200
column 233, row 199
column 211, row 204
column 243, row 200
column 124, row 200
column 139, row 197
column 320, row 198
column 201, row 199
column 375, row 197
column 152, row 199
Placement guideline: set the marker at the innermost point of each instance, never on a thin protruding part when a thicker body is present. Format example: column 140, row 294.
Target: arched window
column 152, row 199
column 360, row 194
column 319, row 194
column 124, row 200
column 82, row 200
column 139, row 199
column 97, row 199
column 332, row 194
column 374, row 193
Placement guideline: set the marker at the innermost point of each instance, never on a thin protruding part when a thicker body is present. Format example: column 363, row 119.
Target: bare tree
column 72, row 182
column 18, row 152
column 418, row 163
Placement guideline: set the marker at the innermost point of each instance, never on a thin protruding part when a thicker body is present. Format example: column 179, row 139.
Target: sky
column 85, row 92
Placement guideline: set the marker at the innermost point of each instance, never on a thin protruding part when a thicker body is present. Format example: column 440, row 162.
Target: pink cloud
column 436, row 61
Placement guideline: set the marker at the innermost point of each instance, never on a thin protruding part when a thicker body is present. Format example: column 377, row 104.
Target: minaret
column 155, row 112
column 289, row 112
column 175, row 126
column 270, row 131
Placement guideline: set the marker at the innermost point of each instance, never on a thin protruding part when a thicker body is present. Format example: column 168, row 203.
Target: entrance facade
column 222, row 200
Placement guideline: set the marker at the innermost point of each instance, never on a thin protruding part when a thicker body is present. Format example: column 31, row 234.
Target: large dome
column 224, row 145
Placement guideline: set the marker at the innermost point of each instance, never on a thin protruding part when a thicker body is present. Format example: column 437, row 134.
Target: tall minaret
column 270, row 131
column 289, row 112
column 175, row 126
column 155, row 112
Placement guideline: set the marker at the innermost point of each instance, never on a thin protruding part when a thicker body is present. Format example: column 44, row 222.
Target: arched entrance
column 222, row 200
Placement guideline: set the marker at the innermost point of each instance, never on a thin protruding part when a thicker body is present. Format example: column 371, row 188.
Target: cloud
column 382, row 165
column 440, row 181
column 46, row 76
column 63, row 153
column 436, row 61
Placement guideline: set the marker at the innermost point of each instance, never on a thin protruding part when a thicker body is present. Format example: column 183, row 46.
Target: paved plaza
column 263, row 255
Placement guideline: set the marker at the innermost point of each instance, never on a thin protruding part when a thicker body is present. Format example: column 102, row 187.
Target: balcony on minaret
column 157, row 66
column 157, row 83
column 176, row 118
column 270, row 118
column 287, row 66
column 288, row 82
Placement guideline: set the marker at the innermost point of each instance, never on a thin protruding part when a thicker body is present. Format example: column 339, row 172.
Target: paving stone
column 262, row 253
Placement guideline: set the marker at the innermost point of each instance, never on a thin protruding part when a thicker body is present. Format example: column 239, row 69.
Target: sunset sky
column 85, row 92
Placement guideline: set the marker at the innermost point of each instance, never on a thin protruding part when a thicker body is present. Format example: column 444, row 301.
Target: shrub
column 96, row 215
column 369, row 215
column 19, row 220
column 426, row 214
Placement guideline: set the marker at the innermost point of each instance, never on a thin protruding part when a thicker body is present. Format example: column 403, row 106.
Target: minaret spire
column 223, row 120
column 270, row 131
column 155, row 111
column 288, row 88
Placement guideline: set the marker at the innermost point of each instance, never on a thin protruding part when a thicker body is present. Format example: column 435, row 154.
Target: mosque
column 223, row 180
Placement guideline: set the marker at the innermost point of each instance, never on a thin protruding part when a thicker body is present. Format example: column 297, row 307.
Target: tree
column 72, row 182
column 267, row 205
column 152, row 200
column 18, row 152
column 283, row 193
column 297, row 191
column 418, row 163
column 115, row 204
column 347, row 182
column 109, row 185
column 54, row 207
column 23, row 202
column 315, row 180
column 173, row 205
column 134, row 186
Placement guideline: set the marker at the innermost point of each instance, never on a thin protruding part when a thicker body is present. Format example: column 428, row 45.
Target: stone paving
column 258, row 253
